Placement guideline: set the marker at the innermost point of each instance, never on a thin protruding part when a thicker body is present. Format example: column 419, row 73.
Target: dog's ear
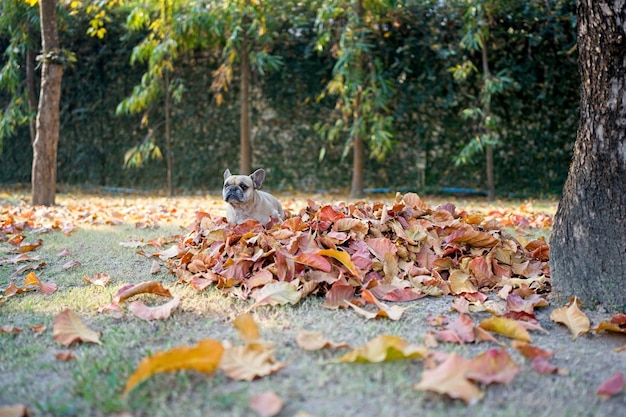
column 227, row 174
column 257, row 178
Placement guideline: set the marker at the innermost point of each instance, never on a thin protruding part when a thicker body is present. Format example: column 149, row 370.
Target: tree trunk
column 30, row 88
column 358, row 156
column 245, row 162
column 44, row 173
column 588, row 245
column 491, row 187
column 168, row 136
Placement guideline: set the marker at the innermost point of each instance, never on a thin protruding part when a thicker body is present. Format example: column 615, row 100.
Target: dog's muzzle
column 233, row 194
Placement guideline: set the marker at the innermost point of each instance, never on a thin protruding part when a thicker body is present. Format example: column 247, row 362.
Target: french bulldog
column 245, row 200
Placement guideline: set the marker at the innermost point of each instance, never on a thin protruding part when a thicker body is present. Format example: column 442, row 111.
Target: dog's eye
column 243, row 187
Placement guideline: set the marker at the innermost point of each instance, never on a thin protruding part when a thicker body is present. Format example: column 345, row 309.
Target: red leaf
column 611, row 386
column 314, row 260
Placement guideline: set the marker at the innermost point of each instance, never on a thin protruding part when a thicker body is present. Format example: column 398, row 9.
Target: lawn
column 118, row 237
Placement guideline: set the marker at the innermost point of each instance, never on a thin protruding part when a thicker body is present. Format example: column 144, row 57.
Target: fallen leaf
column 494, row 365
column 146, row 287
column 316, row 341
column 99, row 278
column 65, row 356
column 70, row 264
column 17, row 410
column 203, row 357
column 276, row 293
column 246, row 363
column 68, row 329
column 574, row 319
column 161, row 312
column 382, row 349
column 247, row 328
column 342, row 257
column 266, row 404
column 611, row 386
column 449, row 378
column 506, row 327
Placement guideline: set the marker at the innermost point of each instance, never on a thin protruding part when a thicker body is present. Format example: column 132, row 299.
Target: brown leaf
column 68, row 329
column 494, row 365
column 146, row 287
column 203, row 357
column 17, row 410
column 99, row 278
column 449, row 378
column 316, row 341
column 247, row 328
column 65, row 356
column 161, row 312
column 574, row 319
column 266, row 404
column 277, row 293
column 245, row 363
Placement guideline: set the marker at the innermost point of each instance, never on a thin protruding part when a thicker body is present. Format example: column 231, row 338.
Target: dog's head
column 239, row 189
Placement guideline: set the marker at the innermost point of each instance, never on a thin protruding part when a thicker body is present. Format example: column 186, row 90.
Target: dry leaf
column 203, row 357
column 68, row 329
column 245, row 363
column 316, row 341
column 506, row 327
column 449, row 378
column 266, row 404
column 17, row 410
column 611, row 386
column 382, row 349
column 149, row 287
column 248, row 330
column 277, row 293
column 99, row 278
column 574, row 319
column 65, row 356
column 494, row 365
column 161, row 312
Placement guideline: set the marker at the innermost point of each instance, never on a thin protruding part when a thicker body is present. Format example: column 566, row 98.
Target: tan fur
column 245, row 200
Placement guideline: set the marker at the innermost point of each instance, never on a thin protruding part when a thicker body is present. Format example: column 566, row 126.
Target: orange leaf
column 99, row 278
column 266, row 404
column 65, row 356
column 506, row 327
column 151, row 287
column 383, row 349
column 161, row 312
column 449, row 378
column 575, row 320
column 68, row 328
column 313, row 260
column 203, row 357
column 342, row 257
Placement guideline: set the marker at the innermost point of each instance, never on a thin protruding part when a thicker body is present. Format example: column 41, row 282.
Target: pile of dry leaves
column 397, row 252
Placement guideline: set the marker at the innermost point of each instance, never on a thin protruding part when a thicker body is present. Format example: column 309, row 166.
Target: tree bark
column 168, row 136
column 44, row 172
column 30, row 87
column 358, row 147
column 245, row 162
column 588, row 244
column 491, row 186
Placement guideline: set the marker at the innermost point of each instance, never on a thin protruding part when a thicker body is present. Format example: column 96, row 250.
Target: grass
column 92, row 384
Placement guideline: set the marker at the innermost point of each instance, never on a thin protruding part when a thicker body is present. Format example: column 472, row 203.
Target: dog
column 245, row 200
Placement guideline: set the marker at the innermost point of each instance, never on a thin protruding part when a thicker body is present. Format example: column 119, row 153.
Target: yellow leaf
column 575, row 320
column 506, row 327
column 68, row 328
column 382, row 349
column 248, row 330
column 316, row 341
column 203, row 357
column 342, row 257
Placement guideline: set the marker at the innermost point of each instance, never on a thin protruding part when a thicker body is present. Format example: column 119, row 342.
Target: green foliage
column 360, row 82
column 136, row 155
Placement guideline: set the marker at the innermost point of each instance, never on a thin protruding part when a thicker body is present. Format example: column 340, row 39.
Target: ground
column 98, row 230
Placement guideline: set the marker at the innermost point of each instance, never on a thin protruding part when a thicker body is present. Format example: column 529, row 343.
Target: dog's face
column 239, row 189
column 246, row 201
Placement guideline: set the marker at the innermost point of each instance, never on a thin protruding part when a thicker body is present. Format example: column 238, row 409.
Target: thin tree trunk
column 30, row 88
column 168, row 136
column 245, row 166
column 358, row 147
column 588, row 243
column 44, row 172
column 491, row 187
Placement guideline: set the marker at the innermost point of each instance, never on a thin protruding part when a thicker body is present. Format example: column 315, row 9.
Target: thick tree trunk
column 245, row 166
column 168, row 136
column 358, row 167
column 588, row 245
column 44, row 173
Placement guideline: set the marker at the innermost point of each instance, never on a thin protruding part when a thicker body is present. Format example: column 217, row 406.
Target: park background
column 427, row 56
